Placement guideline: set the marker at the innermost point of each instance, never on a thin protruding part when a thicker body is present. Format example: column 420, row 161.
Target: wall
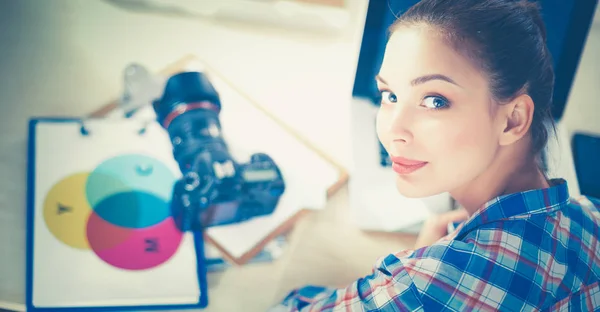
column 583, row 108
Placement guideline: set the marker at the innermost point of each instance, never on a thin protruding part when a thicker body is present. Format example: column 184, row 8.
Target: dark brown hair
column 504, row 38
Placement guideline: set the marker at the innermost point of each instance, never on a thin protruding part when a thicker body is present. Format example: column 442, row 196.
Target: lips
column 403, row 165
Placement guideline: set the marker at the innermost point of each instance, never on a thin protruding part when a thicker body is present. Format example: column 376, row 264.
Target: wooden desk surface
column 325, row 248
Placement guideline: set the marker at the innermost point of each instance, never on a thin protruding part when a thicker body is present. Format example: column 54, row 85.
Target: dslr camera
column 214, row 188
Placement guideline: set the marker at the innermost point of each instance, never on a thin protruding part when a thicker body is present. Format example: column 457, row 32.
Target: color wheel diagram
column 120, row 211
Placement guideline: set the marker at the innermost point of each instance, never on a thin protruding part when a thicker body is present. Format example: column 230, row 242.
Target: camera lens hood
column 185, row 88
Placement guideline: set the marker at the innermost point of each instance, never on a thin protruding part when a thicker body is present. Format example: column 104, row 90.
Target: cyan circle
column 129, row 173
column 134, row 210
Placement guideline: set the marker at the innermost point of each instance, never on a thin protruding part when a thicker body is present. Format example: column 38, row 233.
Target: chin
column 411, row 189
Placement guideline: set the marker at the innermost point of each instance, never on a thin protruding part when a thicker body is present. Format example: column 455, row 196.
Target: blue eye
column 388, row 97
column 435, row 102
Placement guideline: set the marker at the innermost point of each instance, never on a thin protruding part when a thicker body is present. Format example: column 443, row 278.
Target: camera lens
column 215, row 189
column 182, row 90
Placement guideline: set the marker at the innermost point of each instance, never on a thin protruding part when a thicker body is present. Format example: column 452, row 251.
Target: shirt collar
column 520, row 204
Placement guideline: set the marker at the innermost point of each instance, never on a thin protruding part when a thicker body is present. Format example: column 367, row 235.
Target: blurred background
column 301, row 59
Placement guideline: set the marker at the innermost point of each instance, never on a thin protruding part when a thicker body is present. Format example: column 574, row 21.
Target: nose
column 400, row 124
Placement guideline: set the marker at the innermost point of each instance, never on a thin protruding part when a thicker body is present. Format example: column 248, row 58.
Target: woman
column 466, row 91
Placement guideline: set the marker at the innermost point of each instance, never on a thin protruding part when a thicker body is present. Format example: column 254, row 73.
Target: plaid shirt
column 535, row 250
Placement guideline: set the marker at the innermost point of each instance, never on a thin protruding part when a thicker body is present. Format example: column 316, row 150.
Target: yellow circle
column 66, row 211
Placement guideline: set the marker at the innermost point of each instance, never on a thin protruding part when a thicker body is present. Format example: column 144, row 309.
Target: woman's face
column 436, row 118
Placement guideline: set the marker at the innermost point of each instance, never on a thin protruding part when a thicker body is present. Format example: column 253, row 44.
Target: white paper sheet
column 85, row 252
column 307, row 175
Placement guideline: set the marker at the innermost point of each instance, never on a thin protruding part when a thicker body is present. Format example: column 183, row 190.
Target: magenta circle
column 133, row 249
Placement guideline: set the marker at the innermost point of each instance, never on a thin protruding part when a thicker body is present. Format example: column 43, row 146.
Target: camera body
column 214, row 189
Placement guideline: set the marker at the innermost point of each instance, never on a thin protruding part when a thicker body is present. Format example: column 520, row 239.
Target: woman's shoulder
column 528, row 227
column 532, row 238
column 563, row 224
column 542, row 258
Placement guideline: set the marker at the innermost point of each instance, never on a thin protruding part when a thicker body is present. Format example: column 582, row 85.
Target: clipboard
column 223, row 237
column 99, row 236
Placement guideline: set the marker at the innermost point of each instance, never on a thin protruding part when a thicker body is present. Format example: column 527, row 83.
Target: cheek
column 468, row 135
column 465, row 143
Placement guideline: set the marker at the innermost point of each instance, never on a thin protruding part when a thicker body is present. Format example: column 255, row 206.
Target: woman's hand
column 436, row 226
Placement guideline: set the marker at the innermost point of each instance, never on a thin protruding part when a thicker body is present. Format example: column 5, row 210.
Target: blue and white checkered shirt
column 535, row 250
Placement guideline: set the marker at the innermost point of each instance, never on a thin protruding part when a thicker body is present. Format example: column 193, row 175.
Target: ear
column 518, row 115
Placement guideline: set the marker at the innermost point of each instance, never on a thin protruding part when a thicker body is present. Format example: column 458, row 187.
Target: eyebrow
column 424, row 79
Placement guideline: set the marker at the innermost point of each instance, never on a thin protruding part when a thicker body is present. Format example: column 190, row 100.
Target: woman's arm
column 388, row 285
column 397, row 280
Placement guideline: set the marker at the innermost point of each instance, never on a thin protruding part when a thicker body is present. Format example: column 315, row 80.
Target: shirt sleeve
column 389, row 285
